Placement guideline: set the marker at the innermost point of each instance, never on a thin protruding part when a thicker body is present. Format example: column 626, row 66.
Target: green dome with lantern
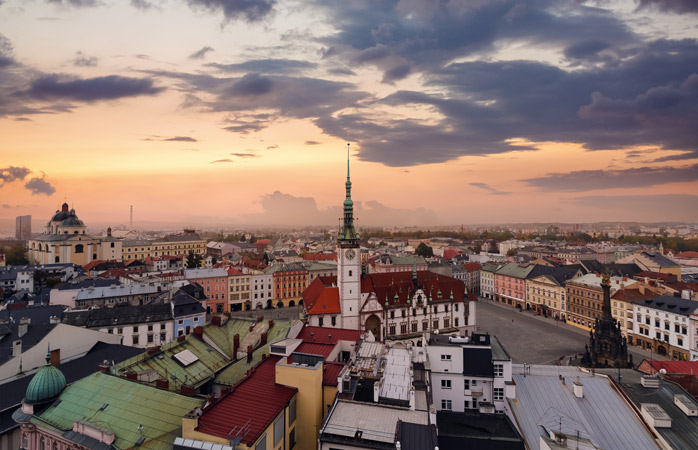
column 47, row 384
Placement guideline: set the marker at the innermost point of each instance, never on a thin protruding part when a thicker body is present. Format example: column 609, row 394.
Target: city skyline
column 226, row 112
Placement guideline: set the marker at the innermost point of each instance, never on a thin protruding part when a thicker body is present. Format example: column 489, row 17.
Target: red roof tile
column 655, row 275
column 320, row 257
column 332, row 369
column 633, row 295
column 473, row 266
column 688, row 255
column 320, row 297
column 689, row 367
column 256, row 398
column 325, row 335
column 312, row 348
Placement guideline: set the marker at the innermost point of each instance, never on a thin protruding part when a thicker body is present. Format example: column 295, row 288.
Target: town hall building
column 390, row 305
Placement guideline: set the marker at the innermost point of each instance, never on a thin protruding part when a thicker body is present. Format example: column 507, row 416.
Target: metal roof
column 397, row 381
column 129, row 405
column 601, row 414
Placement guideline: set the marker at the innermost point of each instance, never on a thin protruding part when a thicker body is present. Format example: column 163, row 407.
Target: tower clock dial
column 350, row 254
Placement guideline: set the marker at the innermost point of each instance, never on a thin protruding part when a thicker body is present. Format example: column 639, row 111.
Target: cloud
column 23, row 119
column 40, row 186
column 90, row 89
column 286, row 209
column 248, row 10
column 75, row 3
column 589, row 180
column 664, row 207
column 227, row 160
column 6, row 58
column 267, row 66
column 676, row 6
column 141, row 4
column 82, row 60
column 312, row 143
column 180, row 139
column 5, row 205
column 201, row 54
column 12, row 173
column 272, row 147
column 489, row 189
column 245, row 155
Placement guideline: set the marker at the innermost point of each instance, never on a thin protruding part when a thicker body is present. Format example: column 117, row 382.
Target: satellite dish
column 662, row 371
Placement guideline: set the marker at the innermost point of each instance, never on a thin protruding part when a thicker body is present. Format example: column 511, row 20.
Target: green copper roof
column 120, row 406
column 46, row 385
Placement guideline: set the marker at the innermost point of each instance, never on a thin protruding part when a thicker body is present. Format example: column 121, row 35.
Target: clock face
column 350, row 254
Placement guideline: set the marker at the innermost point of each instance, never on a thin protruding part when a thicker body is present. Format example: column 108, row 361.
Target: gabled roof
column 331, row 372
column 687, row 367
column 253, row 402
column 515, row 270
column 633, row 294
column 185, row 305
column 671, row 304
column 129, row 405
column 660, row 260
column 119, row 315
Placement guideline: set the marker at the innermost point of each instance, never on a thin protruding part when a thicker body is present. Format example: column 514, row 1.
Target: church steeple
column 348, row 233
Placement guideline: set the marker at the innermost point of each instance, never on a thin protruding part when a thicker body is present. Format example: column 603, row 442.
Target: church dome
column 47, row 384
column 62, row 214
column 72, row 221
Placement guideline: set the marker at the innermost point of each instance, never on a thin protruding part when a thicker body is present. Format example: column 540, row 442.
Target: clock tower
column 349, row 263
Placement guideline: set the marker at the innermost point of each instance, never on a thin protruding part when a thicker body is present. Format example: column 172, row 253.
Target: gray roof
column 124, row 290
column 39, row 327
column 119, row 315
column 660, row 260
column 498, row 351
column 669, row 303
column 683, row 433
column 601, row 415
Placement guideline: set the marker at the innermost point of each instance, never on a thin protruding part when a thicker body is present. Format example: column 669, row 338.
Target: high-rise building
column 23, row 230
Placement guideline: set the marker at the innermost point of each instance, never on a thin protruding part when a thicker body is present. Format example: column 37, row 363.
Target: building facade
column 662, row 325
column 23, row 228
column 215, row 284
column 585, row 298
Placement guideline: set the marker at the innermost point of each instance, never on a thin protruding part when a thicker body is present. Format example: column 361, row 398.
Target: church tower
column 349, row 263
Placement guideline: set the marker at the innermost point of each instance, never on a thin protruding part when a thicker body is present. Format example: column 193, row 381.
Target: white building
column 469, row 373
column 487, row 281
column 663, row 324
column 262, row 287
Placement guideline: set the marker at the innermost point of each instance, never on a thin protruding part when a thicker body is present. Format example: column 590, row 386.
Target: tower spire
column 348, row 232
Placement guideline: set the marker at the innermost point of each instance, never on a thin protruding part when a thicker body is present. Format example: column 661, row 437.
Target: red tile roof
column 633, row 295
column 320, row 256
column 326, row 335
column 689, row 367
column 320, row 297
column 234, row 271
column 332, row 369
column 256, row 398
column 688, row 255
column 473, row 266
column 656, row 275
column 93, row 264
column 312, row 348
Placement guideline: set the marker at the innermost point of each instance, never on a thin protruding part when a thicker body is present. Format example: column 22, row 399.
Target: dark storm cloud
column 12, row 173
column 489, row 189
column 676, row 6
column 6, row 58
column 267, row 66
column 40, row 186
column 90, row 89
column 589, row 180
column 679, row 157
column 201, row 54
column 82, row 60
column 249, row 10
column 585, row 49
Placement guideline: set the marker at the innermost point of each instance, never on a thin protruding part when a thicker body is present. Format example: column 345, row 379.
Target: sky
column 239, row 112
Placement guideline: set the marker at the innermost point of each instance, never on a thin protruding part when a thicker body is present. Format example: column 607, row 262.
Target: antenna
column 131, row 221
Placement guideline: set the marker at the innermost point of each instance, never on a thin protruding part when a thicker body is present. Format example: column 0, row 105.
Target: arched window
column 25, row 441
column 42, row 444
column 79, row 248
column 55, row 446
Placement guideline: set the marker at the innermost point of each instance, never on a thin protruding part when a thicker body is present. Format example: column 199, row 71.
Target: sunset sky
column 458, row 112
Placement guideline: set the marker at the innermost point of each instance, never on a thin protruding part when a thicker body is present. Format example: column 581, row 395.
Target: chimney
column 236, row 346
column 104, row 368
column 181, row 338
column 53, row 320
column 198, row 332
column 16, row 348
column 132, row 376
column 162, row 384
column 264, row 339
column 578, row 388
column 251, row 328
column 216, row 320
column 188, row 390
column 260, row 318
column 271, row 324
column 249, row 354
column 55, row 358
column 23, row 326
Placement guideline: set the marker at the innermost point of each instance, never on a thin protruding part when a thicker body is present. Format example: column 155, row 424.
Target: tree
column 512, row 252
column 16, row 255
column 194, row 260
column 424, row 250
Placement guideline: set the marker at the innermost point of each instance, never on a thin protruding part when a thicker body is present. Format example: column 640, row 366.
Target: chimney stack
column 236, row 346
column 55, row 358
column 16, row 348
column 249, row 354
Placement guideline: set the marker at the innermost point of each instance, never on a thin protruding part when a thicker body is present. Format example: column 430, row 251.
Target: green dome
column 46, row 385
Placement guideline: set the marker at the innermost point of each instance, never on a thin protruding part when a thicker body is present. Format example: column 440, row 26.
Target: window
column 320, row 321
column 436, row 324
column 79, row 248
column 659, row 335
column 150, row 339
column 679, row 341
column 445, row 357
column 498, row 370
column 474, row 383
column 446, row 405
column 466, row 404
column 278, row 429
column 391, row 329
column 498, row 394
column 136, row 340
column 261, row 443
column 403, row 328
column 333, row 319
column 414, row 327
column 455, row 322
column 150, row 328
column 292, row 438
column 466, row 384
column 676, row 328
column 445, row 384
column 292, row 411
